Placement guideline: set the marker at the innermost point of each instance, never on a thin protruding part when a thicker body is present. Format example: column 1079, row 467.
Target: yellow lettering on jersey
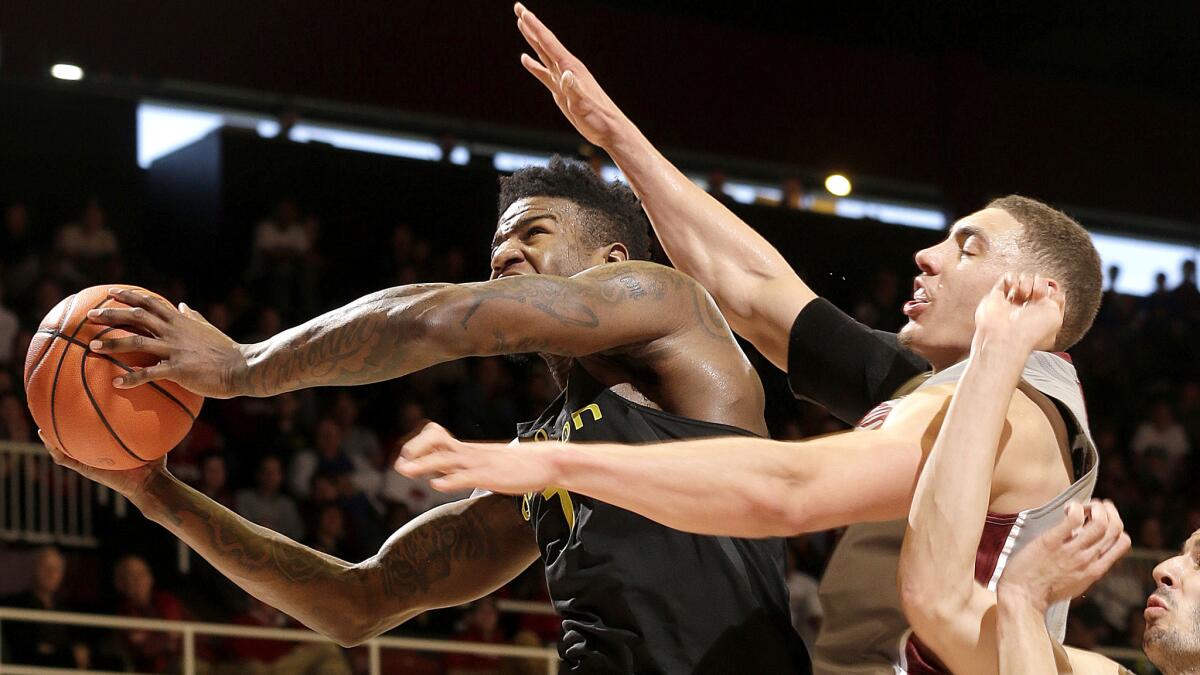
column 564, row 497
column 577, row 416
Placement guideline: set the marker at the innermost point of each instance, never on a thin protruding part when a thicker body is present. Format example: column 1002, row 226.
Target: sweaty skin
column 648, row 331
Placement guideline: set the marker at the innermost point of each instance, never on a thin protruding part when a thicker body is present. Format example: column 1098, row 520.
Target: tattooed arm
column 447, row 556
column 401, row 330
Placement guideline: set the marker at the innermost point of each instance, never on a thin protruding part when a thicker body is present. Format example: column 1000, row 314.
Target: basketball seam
column 100, row 413
column 58, row 371
column 120, row 364
column 117, row 362
column 56, row 331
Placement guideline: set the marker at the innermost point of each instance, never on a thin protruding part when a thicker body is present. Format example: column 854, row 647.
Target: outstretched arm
column 754, row 286
column 447, row 556
column 735, row 486
column 401, row 330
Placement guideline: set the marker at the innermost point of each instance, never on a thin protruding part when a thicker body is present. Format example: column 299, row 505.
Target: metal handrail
column 190, row 629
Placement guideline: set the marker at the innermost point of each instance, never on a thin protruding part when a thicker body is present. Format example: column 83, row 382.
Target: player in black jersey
column 642, row 355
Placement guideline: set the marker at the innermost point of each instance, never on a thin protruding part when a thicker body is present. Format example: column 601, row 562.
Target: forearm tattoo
column 397, row 331
column 256, row 553
column 425, row 555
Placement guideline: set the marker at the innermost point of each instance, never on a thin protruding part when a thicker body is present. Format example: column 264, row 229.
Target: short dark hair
column 1063, row 250
column 613, row 212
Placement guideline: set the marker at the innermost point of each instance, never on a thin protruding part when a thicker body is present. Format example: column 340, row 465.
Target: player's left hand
column 455, row 465
column 1024, row 308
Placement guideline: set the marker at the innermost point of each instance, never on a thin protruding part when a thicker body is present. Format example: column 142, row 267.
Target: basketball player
column 753, row 487
column 642, row 355
column 1059, row 568
column 941, row 592
column 949, row 512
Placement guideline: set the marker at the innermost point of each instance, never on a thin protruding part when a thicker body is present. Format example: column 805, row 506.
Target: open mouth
column 919, row 302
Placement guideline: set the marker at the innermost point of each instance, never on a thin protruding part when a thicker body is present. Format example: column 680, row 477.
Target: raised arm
column 401, row 330
column 447, row 556
column 754, row 286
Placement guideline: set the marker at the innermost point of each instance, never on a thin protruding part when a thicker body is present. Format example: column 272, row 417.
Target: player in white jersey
column 949, row 525
column 760, row 487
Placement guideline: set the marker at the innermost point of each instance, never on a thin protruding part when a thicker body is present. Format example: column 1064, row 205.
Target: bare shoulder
column 685, row 299
column 640, row 277
column 1090, row 663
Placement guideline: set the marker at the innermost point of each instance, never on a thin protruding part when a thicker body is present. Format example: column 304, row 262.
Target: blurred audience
column 266, row 504
column 45, row 644
column 148, row 651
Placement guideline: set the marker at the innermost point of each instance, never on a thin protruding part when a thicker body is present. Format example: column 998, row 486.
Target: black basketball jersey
column 637, row 596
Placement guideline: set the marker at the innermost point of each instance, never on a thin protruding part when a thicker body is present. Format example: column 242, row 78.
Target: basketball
column 70, row 392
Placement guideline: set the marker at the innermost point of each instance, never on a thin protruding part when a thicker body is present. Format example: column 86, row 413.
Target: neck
column 560, row 368
column 44, row 596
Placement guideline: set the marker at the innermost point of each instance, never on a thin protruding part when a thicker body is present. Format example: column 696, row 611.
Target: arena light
column 66, row 71
column 366, row 141
column 838, row 185
column 1141, row 259
column 163, row 129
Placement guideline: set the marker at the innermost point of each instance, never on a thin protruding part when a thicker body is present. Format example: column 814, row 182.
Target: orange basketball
column 72, row 398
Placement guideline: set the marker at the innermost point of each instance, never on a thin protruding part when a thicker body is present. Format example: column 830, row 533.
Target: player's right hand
column 192, row 352
column 1068, row 558
column 576, row 92
column 454, row 465
column 1024, row 309
column 130, row 482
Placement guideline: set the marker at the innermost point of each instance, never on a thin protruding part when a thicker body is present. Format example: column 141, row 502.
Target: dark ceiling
column 1085, row 103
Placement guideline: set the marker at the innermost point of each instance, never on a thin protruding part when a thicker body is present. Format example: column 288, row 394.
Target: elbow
column 927, row 605
column 780, row 509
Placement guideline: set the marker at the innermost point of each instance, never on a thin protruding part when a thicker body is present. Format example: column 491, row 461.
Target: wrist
column 558, row 465
column 1015, row 596
column 150, row 497
column 1001, row 346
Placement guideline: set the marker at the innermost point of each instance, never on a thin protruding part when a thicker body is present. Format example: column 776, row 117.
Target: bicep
column 767, row 315
column 602, row 308
column 449, row 555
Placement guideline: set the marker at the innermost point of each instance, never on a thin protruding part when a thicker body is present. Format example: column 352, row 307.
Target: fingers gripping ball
column 70, row 392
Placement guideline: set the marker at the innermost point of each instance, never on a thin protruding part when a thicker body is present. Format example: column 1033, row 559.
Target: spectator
column 481, row 624
column 274, row 657
column 19, row 252
column 149, row 651
column 213, row 476
column 360, row 444
column 14, row 420
column 1161, row 430
column 326, row 456
column 267, row 505
column 44, row 643
column 329, row 533
column 281, row 245
column 88, row 244
column 9, row 325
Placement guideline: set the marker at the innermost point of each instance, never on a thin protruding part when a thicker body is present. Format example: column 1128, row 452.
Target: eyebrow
column 965, row 232
column 523, row 223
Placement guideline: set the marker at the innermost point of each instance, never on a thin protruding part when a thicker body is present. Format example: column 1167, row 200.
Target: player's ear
column 616, row 253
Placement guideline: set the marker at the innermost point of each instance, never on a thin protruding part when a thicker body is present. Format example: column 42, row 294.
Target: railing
column 190, row 629
column 43, row 503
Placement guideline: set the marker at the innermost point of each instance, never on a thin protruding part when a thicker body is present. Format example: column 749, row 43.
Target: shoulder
column 639, row 276
column 1089, row 663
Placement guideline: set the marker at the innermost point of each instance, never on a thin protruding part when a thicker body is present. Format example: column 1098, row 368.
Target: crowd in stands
column 315, row 465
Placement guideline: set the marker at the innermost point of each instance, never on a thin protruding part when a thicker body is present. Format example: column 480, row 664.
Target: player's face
column 1172, row 637
column 955, row 276
column 541, row 235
